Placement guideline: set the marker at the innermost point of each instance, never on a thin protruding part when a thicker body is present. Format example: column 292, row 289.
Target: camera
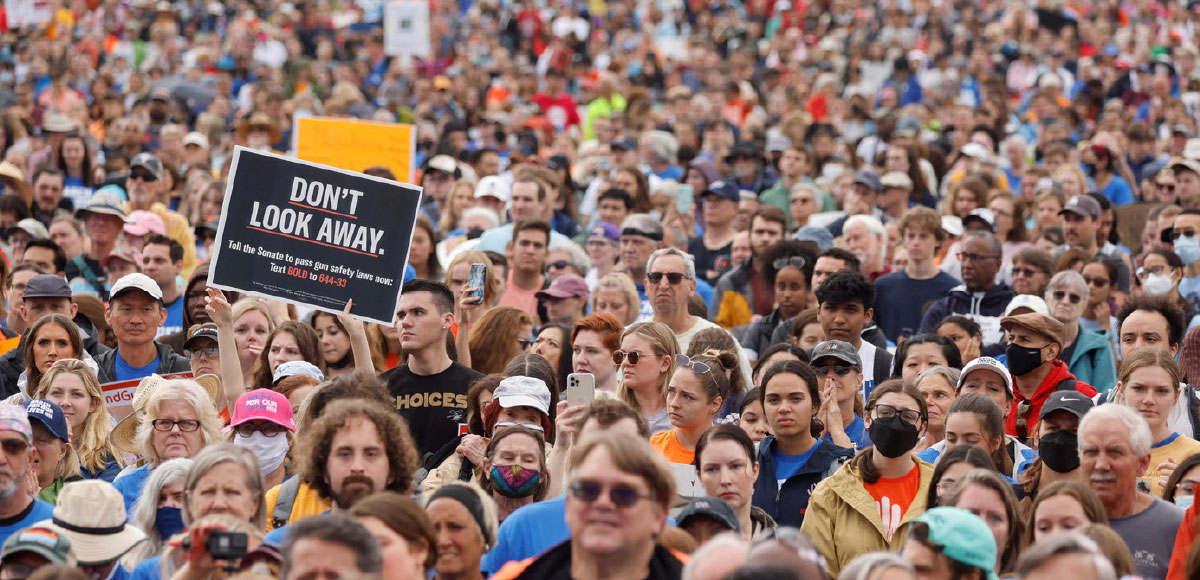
column 225, row 545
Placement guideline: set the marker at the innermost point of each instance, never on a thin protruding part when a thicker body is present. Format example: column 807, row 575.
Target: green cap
column 962, row 537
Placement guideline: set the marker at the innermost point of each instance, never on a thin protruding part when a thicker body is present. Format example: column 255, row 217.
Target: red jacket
column 1058, row 374
column 1183, row 543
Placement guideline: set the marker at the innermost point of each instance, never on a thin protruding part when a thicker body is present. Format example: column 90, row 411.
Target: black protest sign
column 314, row 235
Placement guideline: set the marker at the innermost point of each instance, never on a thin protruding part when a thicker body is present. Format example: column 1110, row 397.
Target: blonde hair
column 620, row 281
column 185, row 390
column 453, row 214
column 491, row 287
column 241, row 307
column 92, row 444
column 663, row 343
column 1147, row 358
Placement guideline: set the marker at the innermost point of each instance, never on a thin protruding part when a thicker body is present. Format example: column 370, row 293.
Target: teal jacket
column 1092, row 361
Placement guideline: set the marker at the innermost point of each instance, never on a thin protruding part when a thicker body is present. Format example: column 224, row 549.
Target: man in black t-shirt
column 430, row 390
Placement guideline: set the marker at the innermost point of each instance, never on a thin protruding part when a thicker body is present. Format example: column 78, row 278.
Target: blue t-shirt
column 857, row 432
column 125, row 372
column 1118, row 191
column 37, row 511
column 148, row 569
column 527, row 532
column 174, row 321
column 787, row 465
column 130, row 485
column 900, row 300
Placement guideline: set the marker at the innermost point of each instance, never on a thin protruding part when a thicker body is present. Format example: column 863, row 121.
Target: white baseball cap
column 523, row 392
column 493, row 186
column 990, row 364
column 136, row 281
column 1033, row 303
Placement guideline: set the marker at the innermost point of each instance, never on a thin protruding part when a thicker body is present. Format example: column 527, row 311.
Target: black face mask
column 474, row 233
column 893, row 437
column 1021, row 360
column 1060, row 451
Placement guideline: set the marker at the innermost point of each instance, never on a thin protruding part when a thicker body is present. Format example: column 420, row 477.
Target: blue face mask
column 1184, row 501
column 169, row 521
column 1188, row 249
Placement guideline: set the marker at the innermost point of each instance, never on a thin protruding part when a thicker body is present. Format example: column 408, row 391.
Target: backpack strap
column 90, row 276
column 283, row 504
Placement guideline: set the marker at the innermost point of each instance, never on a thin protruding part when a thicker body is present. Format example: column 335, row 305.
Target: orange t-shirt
column 892, row 496
column 668, row 444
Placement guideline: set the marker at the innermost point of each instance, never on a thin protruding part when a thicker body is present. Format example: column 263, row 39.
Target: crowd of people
column 700, row 290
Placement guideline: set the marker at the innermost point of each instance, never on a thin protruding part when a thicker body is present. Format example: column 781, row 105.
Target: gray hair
column 215, row 454
column 334, row 528
column 145, row 510
column 1068, row 279
column 866, row 566
column 1065, row 544
column 661, row 144
column 989, row 237
column 1139, row 431
column 185, row 390
column 689, row 263
column 951, row 375
column 872, row 224
column 482, row 212
column 718, row 545
column 578, row 258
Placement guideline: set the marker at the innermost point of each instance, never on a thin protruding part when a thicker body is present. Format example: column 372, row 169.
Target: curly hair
column 310, row 350
column 494, row 338
column 33, row 374
column 92, row 443
column 315, row 444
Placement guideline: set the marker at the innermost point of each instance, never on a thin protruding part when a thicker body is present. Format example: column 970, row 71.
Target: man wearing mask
column 979, row 298
column 1185, row 237
column 1081, row 218
column 1058, row 438
column 1034, row 343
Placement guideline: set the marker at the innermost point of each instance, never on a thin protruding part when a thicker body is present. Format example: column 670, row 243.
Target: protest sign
column 314, row 235
column 406, row 29
column 23, row 13
column 356, row 145
column 118, row 395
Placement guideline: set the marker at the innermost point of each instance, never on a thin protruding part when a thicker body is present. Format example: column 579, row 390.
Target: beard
column 10, row 486
column 354, row 488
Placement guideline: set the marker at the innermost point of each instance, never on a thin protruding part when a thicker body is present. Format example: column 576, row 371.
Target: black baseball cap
column 712, row 507
column 207, row 330
column 1074, row 402
column 47, row 286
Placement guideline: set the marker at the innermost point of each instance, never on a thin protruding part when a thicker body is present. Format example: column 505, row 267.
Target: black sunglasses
column 622, row 496
column 1060, row 294
column 1176, row 234
column 672, row 277
column 1097, row 282
column 561, row 265
column 142, row 175
column 839, row 370
column 14, row 446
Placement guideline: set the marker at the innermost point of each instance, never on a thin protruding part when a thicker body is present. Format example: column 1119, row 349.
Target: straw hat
column 258, row 120
column 123, row 434
column 12, row 174
column 91, row 514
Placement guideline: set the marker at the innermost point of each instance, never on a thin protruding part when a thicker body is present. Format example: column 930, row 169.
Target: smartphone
column 581, row 389
column 683, row 199
column 477, row 280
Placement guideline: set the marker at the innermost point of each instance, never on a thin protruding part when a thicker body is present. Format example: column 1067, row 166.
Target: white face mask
column 270, row 451
column 1184, row 501
column 1158, row 284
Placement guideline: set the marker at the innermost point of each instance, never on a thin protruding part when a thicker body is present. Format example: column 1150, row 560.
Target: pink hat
column 263, row 404
column 142, row 222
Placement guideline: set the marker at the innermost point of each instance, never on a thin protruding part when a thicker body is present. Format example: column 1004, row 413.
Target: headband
column 638, row 232
column 470, row 500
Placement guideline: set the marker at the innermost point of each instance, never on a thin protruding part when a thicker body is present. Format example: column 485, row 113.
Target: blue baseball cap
column 606, row 230
column 725, row 189
column 50, row 416
column 962, row 537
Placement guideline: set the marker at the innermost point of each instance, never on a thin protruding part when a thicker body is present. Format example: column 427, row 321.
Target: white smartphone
column 581, row 389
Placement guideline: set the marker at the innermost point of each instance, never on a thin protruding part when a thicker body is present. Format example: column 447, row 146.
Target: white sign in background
column 406, row 29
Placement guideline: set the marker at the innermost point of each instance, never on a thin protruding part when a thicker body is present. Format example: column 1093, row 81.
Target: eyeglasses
column 207, row 352
column 945, row 485
column 672, row 277
column 1188, row 233
column 1097, row 282
column 143, row 176
column 560, row 265
column 186, row 425
column 682, row 361
column 622, row 496
column 1026, row 272
column 887, row 412
column 634, row 356
column 1143, row 272
column 268, row 429
column 1061, row 294
column 1167, row 186
column 839, row 370
column 794, row 261
column 14, row 446
column 1185, row 488
column 965, row 257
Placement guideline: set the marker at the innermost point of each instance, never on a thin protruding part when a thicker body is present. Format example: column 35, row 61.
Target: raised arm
column 233, row 384
column 359, row 344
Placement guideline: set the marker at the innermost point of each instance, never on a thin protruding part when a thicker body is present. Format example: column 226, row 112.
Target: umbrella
column 196, row 94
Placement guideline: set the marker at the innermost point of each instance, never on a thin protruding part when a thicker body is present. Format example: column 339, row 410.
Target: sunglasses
column 268, row 429
column 14, row 446
column 622, row 496
column 1061, row 294
column 965, row 257
column 682, row 361
column 1026, row 272
column 619, row 356
column 839, row 370
column 209, row 352
column 1167, row 186
column 186, row 425
column 794, row 261
column 1176, row 234
column 672, row 277
column 1097, row 282
column 142, row 175
column 561, row 265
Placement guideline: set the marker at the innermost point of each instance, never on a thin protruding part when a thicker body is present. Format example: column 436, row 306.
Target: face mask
column 1184, row 501
column 1158, row 284
column 1021, row 360
column 269, row 450
column 1060, row 451
column 514, row 480
column 1188, row 248
column 893, row 437
column 169, row 521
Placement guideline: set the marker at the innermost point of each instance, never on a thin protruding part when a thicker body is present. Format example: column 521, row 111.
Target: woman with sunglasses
column 1100, row 274
column 844, row 519
column 646, row 361
column 1089, row 355
column 1150, row 385
column 794, row 458
column 788, row 268
column 698, row 389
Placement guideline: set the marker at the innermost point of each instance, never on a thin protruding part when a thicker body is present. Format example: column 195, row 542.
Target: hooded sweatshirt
column 985, row 308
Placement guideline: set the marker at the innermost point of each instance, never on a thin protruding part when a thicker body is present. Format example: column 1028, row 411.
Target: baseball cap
column 47, row 286
column 493, row 186
column 196, row 138
column 36, row 230
column 897, row 179
column 990, row 364
column 838, row 349
column 952, row 225
column 520, row 391
column 14, row 418
column 981, row 215
column 725, row 189
column 818, row 235
column 1034, row 303
column 1184, row 163
column 625, row 144
column 1071, row 401
column 962, row 537
column 105, row 201
column 142, row 222
column 607, row 231
column 136, row 281
column 443, row 163
column 91, row 513
column 743, row 149
column 976, row 151
column 160, row 94
column 207, row 330
column 868, row 178
column 640, row 224
column 296, row 367
column 50, row 416
column 565, row 286
column 126, row 254
column 42, row 541
column 1039, row 323
column 263, row 404
column 711, row 507
column 1083, row 205
column 148, row 162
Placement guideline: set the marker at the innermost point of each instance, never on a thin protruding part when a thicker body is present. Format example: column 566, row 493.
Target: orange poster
column 356, row 145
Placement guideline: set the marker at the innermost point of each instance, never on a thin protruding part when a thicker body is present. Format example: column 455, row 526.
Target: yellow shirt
column 1179, row 448
column 307, row 503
